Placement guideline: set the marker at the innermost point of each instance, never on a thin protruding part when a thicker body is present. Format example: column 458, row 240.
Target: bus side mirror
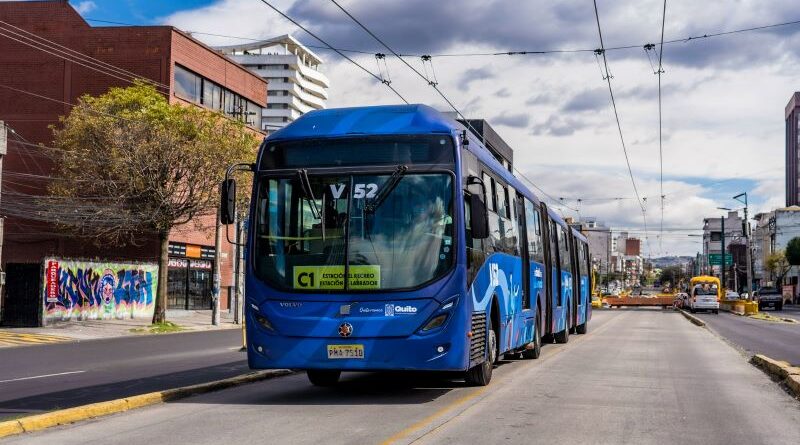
column 478, row 217
column 227, row 203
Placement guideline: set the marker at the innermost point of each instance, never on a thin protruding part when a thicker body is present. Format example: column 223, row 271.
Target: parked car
column 732, row 295
column 769, row 297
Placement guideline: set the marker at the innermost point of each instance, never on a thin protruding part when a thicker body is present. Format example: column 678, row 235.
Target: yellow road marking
column 8, row 338
column 427, row 420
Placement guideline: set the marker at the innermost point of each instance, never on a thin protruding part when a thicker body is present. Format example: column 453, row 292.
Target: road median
column 782, row 371
column 693, row 319
column 39, row 422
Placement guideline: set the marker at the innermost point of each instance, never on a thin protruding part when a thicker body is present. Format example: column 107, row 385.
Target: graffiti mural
column 88, row 290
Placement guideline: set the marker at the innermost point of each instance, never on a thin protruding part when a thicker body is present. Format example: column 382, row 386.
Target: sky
column 723, row 98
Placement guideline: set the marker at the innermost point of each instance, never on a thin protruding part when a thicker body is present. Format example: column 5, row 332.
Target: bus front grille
column 477, row 343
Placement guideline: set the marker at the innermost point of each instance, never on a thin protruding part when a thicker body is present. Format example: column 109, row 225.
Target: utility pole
column 749, row 257
column 722, row 266
column 3, row 150
column 238, row 266
column 217, row 266
column 608, row 259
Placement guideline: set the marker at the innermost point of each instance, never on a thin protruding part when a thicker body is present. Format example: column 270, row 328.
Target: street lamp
column 747, row 243
column 722, row 248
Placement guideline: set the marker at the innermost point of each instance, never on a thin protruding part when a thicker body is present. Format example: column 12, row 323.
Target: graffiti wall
column 87, row 290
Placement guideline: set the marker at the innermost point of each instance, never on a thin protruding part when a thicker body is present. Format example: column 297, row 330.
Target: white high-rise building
column 295, row 83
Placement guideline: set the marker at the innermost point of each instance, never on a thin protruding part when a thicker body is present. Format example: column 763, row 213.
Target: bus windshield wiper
column 387, row 188
column 308, row 193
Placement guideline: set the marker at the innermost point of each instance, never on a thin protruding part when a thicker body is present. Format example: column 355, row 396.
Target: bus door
column 527, row 314
column 577, row 278
column 555, row 271
column 549, row 285
column 585, row 282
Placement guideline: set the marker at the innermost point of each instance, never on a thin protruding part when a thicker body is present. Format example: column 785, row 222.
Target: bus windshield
column 401, row 240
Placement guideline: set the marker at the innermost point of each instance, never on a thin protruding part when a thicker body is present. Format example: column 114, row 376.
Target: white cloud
column 85, row 7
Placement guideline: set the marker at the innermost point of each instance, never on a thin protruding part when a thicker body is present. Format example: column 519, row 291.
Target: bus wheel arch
column 481, row 374
column 535, row 351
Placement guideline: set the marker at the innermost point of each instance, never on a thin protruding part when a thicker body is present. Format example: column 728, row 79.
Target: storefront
column 190, row 276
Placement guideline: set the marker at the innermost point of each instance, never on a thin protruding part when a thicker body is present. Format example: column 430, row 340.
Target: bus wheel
column 563, row 336
column 536, row 350
column 481, row 375
column 582, row 328
column 323, row 377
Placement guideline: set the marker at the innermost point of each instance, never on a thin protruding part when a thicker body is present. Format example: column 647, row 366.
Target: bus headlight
column 436, row 322
column 264, row 322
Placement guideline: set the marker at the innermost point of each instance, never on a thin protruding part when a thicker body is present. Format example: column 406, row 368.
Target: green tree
column 793, row 251
column 778, row 265
column 671, row 276
column 140, row 166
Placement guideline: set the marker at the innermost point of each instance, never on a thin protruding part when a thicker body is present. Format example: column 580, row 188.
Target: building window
column 196, row 89
column 212, row 95
column 187, row 84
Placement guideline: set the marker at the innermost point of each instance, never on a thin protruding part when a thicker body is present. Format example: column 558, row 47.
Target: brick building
column 49, row 57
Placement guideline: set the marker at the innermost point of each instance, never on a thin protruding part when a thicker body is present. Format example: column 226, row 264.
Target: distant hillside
column 666, row 261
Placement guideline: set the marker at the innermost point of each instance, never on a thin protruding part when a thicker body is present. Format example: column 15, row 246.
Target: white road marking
column 41, row 376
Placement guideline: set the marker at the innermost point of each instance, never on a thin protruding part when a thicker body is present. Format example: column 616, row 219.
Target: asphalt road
column 638, row 377
column 45, row 377
column 780, row 341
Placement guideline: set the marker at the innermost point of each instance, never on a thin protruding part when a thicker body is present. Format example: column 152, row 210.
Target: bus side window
column 501, row 193
column 488, row 184
column 474, row 247
column 534, row 232
column 563, row 244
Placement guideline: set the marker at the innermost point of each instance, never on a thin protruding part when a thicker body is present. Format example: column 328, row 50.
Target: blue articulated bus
column 390, row 238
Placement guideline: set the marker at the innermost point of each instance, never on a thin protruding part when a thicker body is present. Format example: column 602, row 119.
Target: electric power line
column 71, row 55
column 660, row 139
column 607, row 78
column 435, row 86
column 494, row 53
column 341, row 53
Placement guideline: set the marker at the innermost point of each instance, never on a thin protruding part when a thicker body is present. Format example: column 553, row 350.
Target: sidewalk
column 96, row 329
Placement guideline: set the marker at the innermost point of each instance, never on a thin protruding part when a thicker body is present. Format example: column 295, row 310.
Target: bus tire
column 481, row 375
column 582, row 328
column 323, row 377
column 563, row 336
column 536, row 351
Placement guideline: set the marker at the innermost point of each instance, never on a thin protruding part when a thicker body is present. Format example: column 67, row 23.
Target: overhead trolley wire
column 660, row 123
column 493, row 53
column 435, row 85
column 338, row 51
column 607, row 78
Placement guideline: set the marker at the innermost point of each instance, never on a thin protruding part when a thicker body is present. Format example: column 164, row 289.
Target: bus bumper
column 435, row 352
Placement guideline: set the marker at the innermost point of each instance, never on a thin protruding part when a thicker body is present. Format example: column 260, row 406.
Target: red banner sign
column 52, row 281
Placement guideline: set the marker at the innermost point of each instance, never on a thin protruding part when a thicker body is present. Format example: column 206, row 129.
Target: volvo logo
column 345, row 330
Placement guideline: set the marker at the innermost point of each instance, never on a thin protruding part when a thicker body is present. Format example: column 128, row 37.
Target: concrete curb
column 71, row 415
column 781, row 370
column 693, row 319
